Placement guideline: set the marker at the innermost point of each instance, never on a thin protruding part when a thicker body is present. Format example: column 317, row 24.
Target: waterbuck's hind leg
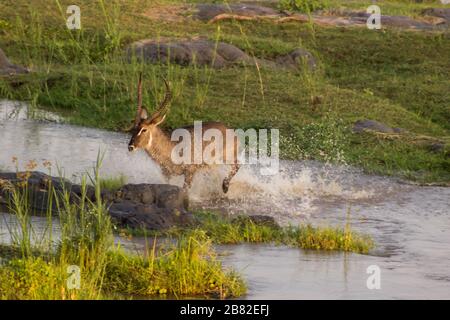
column 231, row 174
column 188, row 177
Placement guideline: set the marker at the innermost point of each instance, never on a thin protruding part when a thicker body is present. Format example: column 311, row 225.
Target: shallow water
column 410, row 224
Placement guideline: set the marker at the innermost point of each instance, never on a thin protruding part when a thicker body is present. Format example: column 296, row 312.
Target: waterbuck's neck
column 161, row 149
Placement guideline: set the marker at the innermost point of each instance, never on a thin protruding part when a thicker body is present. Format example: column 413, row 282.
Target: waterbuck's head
column 144, row 126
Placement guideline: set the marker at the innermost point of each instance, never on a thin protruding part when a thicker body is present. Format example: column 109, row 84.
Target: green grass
column 241, row 229
column 189, row 267
column 112, row 183
column 396, row 77
column 36, row 266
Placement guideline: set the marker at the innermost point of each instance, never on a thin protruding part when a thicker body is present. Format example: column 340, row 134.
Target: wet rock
column 150, row 206
column 138, row 193
column 204, row 52
column 38, row 186
column 153, row 207
column 7, row 68
column 150, row 217
column 372, row 125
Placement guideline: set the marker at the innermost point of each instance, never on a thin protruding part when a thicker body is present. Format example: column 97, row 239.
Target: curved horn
column 163, row 106
column 168, row 96
column 139, row 104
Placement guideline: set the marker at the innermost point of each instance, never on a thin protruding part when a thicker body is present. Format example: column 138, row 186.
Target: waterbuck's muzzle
column 131, row 147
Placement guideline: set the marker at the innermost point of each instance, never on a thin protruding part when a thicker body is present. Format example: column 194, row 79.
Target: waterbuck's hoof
column 225, row 186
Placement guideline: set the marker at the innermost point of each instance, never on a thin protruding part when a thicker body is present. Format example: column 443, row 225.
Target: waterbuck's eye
column 142, row 131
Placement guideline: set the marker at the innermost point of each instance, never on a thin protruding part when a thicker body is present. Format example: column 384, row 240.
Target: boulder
column 188, row 52
column 203, row 52
column 297, row 59
column 7, row 68
column 149, row 206
column 373, row 125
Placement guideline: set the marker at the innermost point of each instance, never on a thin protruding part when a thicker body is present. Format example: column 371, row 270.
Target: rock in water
column 149, row 206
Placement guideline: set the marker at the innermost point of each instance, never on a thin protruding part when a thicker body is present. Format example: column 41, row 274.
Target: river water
column 410, row 224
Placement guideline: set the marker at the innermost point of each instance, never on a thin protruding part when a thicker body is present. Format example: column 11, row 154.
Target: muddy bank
column 150, row 206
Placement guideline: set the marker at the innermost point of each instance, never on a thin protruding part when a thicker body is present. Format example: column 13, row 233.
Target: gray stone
column 297, row 59
column 7, row 68
column 204, row 52
column 150, row 206
column 436, row 147
column 188, row 52
column 362, row 125
column 149, row 217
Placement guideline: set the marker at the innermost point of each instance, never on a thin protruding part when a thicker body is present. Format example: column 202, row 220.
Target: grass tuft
column 242, row 229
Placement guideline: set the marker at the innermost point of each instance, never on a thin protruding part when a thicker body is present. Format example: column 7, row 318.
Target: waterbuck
column 147, row 134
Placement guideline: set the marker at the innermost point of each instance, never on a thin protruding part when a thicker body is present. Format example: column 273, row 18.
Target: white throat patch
column 150, row 139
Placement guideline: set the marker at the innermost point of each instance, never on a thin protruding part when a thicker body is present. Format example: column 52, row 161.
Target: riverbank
column 394, row 76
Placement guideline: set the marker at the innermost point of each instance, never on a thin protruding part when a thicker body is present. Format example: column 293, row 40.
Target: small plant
column 4, row 25
column 188, row 267
column 330, row 238
column 113, row 183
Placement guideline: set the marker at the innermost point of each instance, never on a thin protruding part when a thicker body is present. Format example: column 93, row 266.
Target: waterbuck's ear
column 143, row 114
column 156, row 121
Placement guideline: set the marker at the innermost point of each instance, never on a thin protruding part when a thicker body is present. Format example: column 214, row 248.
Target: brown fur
column 147, row 135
